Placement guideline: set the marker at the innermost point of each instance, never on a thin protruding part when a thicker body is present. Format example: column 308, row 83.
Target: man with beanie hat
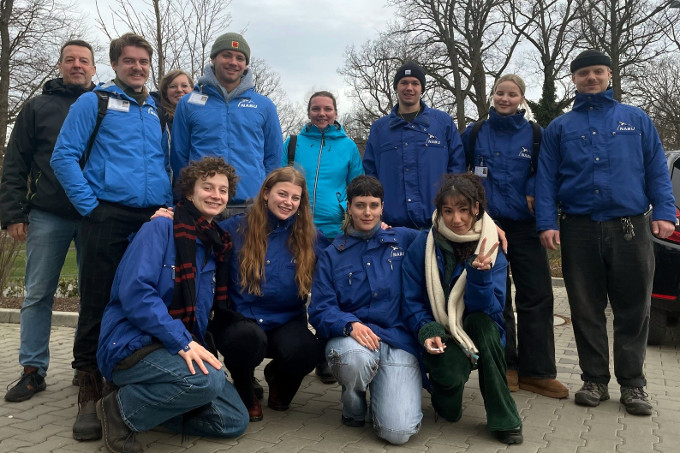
column 604, row 164
column 224, row 116
column 410, row 149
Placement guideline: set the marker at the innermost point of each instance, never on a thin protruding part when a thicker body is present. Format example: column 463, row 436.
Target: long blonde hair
column 300, row 243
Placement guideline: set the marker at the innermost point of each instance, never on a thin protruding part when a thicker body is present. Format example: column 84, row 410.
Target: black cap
column 410, row 69
column 590, row 58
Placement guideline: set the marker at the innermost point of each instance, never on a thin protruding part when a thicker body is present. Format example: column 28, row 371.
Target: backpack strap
column 536, row 145
column 291, row 149
column 472, row 141
column 102, row 105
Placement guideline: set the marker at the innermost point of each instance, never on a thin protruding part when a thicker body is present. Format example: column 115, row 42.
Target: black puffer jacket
column 27, row 177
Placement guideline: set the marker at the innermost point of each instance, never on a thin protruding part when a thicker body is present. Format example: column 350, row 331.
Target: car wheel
column 657, row 326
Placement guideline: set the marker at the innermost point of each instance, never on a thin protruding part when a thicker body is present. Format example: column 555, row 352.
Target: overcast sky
column 303, row 40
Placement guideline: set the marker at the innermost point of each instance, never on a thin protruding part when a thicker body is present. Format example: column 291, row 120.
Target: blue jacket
column 330, row 160
column 279, row 302
column 409, row 159
column 244, row 130
column 484, row 290
column 360, row 280
column 142, row 292
column 504, row 146
column 602, row 159
column 127, row 164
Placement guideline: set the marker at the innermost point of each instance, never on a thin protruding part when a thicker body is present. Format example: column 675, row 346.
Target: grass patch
column 68, row 271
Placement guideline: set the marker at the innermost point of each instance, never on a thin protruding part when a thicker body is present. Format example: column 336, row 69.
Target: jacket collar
column 277, row 224
column 345, row 242
column 334, row 130
column 397, row 121
column 506, row 122
column 584, row 101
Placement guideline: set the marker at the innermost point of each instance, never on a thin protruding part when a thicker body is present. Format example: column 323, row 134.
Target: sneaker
column 635, row 400
column 513, row 380
column 26, row 386
column 552, row 388
column 591, row 393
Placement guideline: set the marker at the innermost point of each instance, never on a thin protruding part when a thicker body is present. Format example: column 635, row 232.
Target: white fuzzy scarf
column 450, row 313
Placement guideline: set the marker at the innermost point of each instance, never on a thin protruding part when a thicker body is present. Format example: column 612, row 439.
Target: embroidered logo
column 234, row 44
column 396, row 252
column 247, row 103
column 525, row 153
column 432, row 140
column 625, row 127
column 152, row 111
column 407, row 72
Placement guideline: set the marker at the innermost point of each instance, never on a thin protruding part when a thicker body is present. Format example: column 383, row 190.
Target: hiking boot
column 512, row 377
column 255, row 411
column 118, row 437
column 275, row 400
column 87, row 425
column 635, row 400
column 28, row 385
column 510, row 437
column 551, row 388
column 591, row 393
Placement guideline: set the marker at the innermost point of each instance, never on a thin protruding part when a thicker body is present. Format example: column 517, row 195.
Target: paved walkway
column 43, row 424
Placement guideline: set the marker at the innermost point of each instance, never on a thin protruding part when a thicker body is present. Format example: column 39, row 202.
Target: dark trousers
column 293, row 348
column 450, row 371
column 104, row 238
column 599, row 264
column 530, row 345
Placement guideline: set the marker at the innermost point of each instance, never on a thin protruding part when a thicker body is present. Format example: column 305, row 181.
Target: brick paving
column 43, row 423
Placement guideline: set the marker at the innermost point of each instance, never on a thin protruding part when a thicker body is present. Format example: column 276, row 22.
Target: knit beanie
column 410, row 69
column 231, row 41
column 590, row 58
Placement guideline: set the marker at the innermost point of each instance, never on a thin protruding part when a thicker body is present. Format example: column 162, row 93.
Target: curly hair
column 204, row 169
column 167, row 79
column 300, row 243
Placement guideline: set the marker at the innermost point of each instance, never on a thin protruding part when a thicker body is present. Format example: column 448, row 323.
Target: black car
column 666, row 289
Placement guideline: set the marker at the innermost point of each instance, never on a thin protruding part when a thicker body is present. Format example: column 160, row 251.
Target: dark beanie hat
column 590, row 58
column 231, row 41
column 410, row 69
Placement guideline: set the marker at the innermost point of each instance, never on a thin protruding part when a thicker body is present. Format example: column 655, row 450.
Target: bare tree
column 180, row 31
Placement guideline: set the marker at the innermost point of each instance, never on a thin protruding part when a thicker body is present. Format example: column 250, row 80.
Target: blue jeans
column 49, row 238
column 393, row 377
column 159, row 389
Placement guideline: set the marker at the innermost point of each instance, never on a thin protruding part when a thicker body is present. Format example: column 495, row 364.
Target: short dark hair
column 324, row 94
column 462, row 185
column 76, row 42
column 128, row 39
column 365, row 186
column 204, row 169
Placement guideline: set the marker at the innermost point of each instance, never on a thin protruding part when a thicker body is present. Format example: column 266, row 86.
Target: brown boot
column 87, row 425
column 118, row 437
column 512, row 377
column 551, row 388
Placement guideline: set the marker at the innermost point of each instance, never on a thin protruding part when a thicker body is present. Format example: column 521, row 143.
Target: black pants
column 293, row 348
column 600, row 265
column 530, row 345
column 104, row 238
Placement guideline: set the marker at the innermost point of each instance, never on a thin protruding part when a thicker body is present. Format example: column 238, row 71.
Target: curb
column 59, row 318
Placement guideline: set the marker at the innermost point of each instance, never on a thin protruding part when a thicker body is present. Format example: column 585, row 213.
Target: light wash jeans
column 49, row 238
column 393, row 377
column 159, row 389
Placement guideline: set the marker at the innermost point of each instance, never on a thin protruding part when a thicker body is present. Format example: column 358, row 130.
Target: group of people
column 399, row 261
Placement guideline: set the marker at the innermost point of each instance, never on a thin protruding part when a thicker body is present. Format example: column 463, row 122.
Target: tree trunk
column 5, row 13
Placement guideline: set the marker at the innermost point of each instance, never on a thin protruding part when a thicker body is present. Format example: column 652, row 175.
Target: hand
column 365, row 336
column 199, row 354
column 531, row 203
column 434, row 345
column 502, row 238
column 483, row 260
column 660, row 228
column 168, row 213
column 550, row 239
column 18, row 231
column 385, row 226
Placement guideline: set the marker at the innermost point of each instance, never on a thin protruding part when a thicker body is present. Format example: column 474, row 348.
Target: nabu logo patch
column 396, row 252
column 625, row 127
column 432, row 140
column 247, row 103
column 525, row 153
column 152, row 111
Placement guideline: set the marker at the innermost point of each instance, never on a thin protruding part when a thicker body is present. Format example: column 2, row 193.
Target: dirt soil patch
column 60, row 303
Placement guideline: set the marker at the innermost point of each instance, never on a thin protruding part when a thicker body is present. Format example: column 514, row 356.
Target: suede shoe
column 510, row 437
column 352, row 423
column 635, row 400
column 552, row 388
column 118, row 437
column 255, row 411
column 591, row 393
column 28, row 385
column 87, row 425
column 512, row 378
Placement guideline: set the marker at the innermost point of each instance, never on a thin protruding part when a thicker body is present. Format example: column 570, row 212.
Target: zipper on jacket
column 350, row 279
column 316, row 177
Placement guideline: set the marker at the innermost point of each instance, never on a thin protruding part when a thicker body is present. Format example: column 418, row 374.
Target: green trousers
column 450, row 371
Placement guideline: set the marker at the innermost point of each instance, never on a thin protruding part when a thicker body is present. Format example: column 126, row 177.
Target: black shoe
column 352, row 423
column 74, row 381
column 510, row 437
column 28, row 385
column 118, row 438
column 87, row 425
column 257, row 389
column 635, row 400
column 591, row 393
column 275, row 400
column 323, row 371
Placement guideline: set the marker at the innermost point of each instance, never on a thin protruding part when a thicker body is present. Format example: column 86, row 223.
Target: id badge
column 119, row 105
column 198, row 99
column 481, row 171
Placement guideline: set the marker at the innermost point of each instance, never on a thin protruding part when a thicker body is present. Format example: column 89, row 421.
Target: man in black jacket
column 35, row 209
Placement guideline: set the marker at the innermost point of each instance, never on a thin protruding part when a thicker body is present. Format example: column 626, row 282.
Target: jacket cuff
column 430, row 330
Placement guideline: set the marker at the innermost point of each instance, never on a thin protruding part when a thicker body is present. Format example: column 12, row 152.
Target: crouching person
column 152, row 341
column 355, row 305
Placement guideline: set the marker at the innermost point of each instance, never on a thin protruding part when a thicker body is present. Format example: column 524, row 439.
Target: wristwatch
column 347, row 330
